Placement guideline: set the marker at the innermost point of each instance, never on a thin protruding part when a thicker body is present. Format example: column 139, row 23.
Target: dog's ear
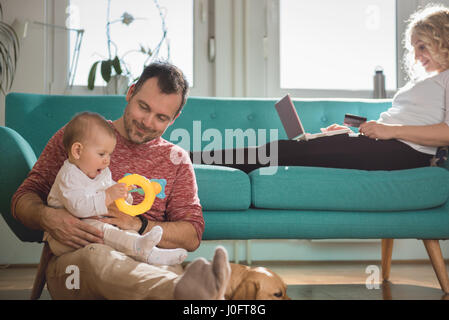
column 247, row 290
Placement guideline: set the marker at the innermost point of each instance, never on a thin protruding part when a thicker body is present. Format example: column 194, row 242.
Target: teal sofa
column 290, row 203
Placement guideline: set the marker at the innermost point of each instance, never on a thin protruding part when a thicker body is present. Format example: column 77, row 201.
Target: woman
column 405, row 136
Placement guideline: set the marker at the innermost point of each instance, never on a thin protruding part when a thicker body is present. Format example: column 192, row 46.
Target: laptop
column 292, row 124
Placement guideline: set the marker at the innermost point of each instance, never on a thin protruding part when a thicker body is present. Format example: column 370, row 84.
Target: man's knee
column 93, row 254
column 106, row 273
column 69, row 275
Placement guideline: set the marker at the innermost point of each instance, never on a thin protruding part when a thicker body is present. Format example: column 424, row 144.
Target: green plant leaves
column 91, row 78
column 116, row 65
column 106, row 69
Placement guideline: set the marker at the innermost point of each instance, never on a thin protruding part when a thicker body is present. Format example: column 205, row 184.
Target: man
column 154, row 102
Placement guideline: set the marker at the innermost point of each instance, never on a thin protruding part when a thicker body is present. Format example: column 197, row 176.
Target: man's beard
column 130, row 124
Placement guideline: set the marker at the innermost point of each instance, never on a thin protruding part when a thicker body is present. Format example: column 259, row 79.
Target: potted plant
column 113, row 70
column 115, row 63
column 106, row 67
column 9, row 54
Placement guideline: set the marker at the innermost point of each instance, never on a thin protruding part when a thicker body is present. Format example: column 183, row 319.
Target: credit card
column 353, row 120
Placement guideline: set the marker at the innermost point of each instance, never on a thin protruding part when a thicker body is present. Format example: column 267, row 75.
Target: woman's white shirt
column 420, row 103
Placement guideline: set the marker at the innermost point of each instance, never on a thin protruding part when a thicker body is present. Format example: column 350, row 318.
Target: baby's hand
column 117, row 191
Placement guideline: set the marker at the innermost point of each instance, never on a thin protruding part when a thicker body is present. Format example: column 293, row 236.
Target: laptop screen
column 289, row 117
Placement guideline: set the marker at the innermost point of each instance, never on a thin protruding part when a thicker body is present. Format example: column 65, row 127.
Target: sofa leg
column 248, row 252
column 236, row 252
column 387, row 251
column 40, row 278
column 436, row 258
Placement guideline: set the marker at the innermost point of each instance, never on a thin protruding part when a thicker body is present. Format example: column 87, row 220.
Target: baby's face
column 96, row 154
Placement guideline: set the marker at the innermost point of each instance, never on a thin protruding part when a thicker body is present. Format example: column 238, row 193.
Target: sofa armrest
column 16, row 160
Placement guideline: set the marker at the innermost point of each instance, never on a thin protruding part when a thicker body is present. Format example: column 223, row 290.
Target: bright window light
column 145, row 30
column 329, row 44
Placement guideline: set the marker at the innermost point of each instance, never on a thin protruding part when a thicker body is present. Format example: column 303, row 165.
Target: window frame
column 272, row 56
column 246, row 60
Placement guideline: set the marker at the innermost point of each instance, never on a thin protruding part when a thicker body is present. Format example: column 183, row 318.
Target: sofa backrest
column 203, row 121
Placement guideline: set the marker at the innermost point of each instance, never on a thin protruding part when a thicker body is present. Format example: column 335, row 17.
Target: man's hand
column 69, row 230
column 375, row 130
column 120, row 219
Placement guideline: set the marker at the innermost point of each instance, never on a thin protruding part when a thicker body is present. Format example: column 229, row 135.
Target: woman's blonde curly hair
column 431, row 25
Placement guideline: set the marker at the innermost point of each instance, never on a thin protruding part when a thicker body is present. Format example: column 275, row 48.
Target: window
column 145, row 30
column 328, row 44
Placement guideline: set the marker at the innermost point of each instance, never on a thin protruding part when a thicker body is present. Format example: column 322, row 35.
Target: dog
column 258, row 283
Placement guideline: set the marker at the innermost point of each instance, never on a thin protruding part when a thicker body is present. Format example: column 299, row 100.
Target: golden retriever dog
column 255, row 284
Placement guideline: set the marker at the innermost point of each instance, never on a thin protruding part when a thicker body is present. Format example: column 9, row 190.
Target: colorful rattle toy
column 152, row 188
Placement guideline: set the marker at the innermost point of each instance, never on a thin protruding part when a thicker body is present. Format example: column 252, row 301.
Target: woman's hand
column 334, row 127
column 375, row 130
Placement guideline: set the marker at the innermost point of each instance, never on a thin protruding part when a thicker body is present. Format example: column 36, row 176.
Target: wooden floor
column 347, row 280
column 305, row 280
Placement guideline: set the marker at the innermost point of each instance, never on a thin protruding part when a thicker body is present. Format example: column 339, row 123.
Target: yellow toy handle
column 151, row 189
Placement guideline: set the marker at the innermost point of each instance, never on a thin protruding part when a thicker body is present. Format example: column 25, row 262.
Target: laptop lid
column 289, row 118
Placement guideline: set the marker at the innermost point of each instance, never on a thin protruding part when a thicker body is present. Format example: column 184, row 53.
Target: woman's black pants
column 339, row 151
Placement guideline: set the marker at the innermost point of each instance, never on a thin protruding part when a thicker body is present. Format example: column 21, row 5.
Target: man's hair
column 431, row 25
column 170, row 80
column 81, row 127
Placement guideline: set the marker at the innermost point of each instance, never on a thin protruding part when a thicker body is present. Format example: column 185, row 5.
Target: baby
column 84, row 186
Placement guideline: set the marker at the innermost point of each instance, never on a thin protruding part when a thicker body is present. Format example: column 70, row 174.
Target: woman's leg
column 341, row 151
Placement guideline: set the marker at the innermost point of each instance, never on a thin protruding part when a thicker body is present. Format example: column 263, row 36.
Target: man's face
column 149, row 112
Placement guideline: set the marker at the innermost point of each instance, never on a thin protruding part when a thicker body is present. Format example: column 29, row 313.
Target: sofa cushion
column 323, row 224
column 222, row 188
column 354, row 190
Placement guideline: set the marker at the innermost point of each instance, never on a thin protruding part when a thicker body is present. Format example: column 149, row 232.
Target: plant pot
column 118, row 84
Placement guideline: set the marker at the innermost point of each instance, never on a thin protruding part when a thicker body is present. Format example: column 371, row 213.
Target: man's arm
column 59, row 223
column 176, row 234
column 184, row 211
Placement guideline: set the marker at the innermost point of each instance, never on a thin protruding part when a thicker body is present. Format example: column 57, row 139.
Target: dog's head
column 260, row 284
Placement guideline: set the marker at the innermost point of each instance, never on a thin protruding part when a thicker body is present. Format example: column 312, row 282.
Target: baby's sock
column 166, row 256
column 144, row 244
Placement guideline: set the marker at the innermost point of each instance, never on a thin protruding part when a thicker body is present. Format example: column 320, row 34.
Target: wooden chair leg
column 387, row 251
column 386, row 291
column 40, row 278
column 436, row 258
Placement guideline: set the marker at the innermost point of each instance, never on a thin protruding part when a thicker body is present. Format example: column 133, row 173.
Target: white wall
column 30, row 77
column 35, row 74
column 30, row 69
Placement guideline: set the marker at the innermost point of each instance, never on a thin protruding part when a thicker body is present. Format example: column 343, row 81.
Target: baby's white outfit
column 86, row 198
column 80, row 195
